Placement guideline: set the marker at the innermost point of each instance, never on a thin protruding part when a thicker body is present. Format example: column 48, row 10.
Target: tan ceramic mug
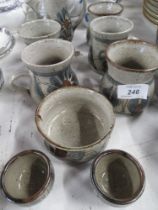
column 104, row 31
column 129, row 83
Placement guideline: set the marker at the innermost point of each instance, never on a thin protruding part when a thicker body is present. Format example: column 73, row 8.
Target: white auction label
column 136, row 91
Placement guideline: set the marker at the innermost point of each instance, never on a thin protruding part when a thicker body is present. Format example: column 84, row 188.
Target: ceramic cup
column 104, row 31
column 76, row 123
column 103, row 8
column 27, row 177
column 39, row 29
column 48, row 62
column 99, row 9
column 118, row 177
column 69, row 13
column 130, row 62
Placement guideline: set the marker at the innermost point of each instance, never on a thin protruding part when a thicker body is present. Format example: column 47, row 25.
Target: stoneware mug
column 48, row 62
column 104, row 31
column 39, row 29
column 129, row 84
column 99, row 9
column 69, row 13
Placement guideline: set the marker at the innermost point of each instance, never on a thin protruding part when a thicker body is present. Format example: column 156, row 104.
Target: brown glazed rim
column 140, row 190
column 105, row 14
column 51, row 142
column 38, row 193
column 119, row 67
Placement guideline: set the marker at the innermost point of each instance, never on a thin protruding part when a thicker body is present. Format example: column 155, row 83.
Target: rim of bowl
column 43, row 41
column 38, row 21
column 51, row 142
column 118, row 66
column 140, row 170
column 105, row 14
column 116, row 18
column 39, row 193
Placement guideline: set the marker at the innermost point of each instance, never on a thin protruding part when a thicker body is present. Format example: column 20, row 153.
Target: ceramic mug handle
column 16, row 81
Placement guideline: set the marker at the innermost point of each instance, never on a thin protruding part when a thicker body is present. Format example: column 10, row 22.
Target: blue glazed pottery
column 48, row 62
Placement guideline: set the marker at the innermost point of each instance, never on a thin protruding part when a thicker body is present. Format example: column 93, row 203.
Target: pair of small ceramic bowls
column 76, row 124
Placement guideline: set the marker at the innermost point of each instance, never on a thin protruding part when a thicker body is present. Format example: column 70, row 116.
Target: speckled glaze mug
column 68, row 13
column 48, row 62
column 130, row 62
column 100, row 9
column 104, row 31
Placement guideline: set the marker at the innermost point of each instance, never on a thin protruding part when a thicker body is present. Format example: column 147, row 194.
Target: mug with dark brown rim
column 129, row 83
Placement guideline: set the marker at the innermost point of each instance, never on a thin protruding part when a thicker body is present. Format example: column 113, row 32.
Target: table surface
column 72, row 188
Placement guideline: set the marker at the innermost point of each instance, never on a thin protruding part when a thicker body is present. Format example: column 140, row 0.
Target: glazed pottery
column 75, row 122
column 130, row 62
column 118, row 177
column 48, row 62
column 104, row 31
column 27, row 177
column 88, row 2
column 68, row 13
column 39, row 29
column 100, row 9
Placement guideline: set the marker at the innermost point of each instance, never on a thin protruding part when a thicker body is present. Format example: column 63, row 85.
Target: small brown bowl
column 27, row 177
column 118, row 177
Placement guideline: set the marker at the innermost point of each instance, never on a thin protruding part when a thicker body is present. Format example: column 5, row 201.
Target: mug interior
column 133, row 55
column 48, row 52
column 39, row 28
column 75, row 117
column 105, row 8
column 25, row 176
column 111, row 25
column 118, row 177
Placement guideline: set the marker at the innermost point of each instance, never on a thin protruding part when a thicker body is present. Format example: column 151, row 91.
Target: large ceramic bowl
column 76, row 123
column 118, row 177
column 27, row 177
